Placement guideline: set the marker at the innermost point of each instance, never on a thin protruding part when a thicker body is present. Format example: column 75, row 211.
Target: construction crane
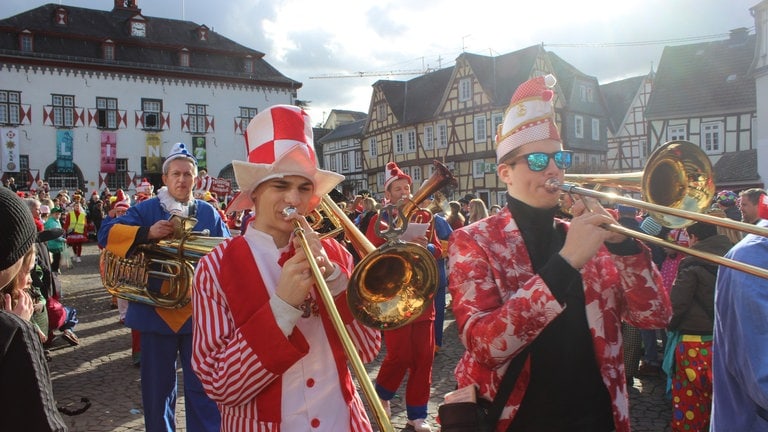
column 373, row 74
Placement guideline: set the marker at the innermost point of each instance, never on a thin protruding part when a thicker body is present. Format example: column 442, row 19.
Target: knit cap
column 17, row 229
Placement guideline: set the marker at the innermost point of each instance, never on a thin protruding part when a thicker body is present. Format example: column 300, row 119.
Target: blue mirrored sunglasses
column 538, row 161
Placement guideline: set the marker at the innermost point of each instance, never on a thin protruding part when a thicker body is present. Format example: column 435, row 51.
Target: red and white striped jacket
column 241, row 355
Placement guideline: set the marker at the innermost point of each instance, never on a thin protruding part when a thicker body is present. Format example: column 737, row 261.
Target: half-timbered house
column 626, row 101
column 449, row 115
column 704, row 93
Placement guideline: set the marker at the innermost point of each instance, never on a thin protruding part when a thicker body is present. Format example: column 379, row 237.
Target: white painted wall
column 223, row 102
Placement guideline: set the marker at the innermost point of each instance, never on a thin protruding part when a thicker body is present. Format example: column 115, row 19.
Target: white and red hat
column 145, row 187
column 393, row 172
column 279, row 143
column 762, row 207
column 122, row 201
column 530, row 116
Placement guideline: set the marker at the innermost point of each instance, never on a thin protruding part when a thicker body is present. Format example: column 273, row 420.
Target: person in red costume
column 545, row 294
column 75, row 226
column 264, row 345
column 410, row 348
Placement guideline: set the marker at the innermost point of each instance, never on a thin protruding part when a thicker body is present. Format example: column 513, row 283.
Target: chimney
column 128, row 5
column 739, row 35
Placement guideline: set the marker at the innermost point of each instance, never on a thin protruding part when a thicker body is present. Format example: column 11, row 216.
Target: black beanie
column 17, row 228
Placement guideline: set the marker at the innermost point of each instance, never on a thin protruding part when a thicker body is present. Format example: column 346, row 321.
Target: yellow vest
column 77, row 223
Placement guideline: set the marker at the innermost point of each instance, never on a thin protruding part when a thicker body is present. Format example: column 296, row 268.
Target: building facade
column 92, row 99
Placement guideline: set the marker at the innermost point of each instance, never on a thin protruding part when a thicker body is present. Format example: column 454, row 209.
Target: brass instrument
column 677, row 182
column 338, row 324
column 169, row 262
column 392, row 285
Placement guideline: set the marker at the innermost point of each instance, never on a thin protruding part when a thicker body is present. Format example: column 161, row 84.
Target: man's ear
column 504, row 172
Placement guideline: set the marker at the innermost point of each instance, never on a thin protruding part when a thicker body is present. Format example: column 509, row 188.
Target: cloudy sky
column 308, row 39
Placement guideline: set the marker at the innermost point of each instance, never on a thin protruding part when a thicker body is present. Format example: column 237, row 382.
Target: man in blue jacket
column 166, row 332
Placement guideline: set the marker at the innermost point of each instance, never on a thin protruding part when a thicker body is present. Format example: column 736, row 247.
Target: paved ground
column 100, row 368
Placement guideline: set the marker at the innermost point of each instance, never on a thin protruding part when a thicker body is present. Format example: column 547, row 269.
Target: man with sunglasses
column 545, row 296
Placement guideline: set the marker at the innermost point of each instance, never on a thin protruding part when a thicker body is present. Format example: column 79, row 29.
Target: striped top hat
column 530, row 116
column 279, row 143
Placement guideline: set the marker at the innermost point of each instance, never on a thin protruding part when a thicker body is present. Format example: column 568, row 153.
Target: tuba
column 158, row 274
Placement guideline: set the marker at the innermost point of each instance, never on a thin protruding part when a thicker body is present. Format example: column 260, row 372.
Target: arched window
column 70, row 180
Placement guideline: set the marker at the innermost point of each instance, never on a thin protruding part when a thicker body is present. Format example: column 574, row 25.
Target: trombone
column 390, row 287
column 678, row 184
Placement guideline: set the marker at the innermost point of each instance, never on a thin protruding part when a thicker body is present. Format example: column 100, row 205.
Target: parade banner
column 154, row 158
column 64, row 144
column 10, row 156
column 199, row 151
column 108, row 152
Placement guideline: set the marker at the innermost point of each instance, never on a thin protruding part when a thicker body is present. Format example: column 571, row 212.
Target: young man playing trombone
column 265, row 348
column 523, row 281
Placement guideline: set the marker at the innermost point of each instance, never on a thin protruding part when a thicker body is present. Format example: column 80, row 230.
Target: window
column 578, row 126
column 583, row 92
column 248, row 64
column 345, row 161
column 358, row 159
column 677, row 133
column 481, row 133
column 108, row 50
column 26, row 42
column 711, row 135
column 442, row 136
column 120, row 178
column 106, row 109
column 411, row 135
column 63, row 110
column 497, row 119
column 596, row 129
column 197, row 118
column 429, row 138
column 380, row 180
column 465, row 89
column 381, row 112
column 478, row 168
column 151, row 109
column 184, row 58
column 10, row 107
column 372, row 147
column 590, row 95
column 416, row 175
column 399, row 144
column 246, row 115
column 332, row 162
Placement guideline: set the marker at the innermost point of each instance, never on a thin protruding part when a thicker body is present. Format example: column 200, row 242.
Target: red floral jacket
column 501, row 306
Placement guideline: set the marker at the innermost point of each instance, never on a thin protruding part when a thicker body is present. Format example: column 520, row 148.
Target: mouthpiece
column 552, row 185
column 289, row 211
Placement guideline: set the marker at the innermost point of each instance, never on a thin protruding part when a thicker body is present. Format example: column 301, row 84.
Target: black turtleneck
column 566, row 391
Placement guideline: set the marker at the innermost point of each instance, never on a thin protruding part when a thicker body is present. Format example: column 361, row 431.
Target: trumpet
column 679, row 175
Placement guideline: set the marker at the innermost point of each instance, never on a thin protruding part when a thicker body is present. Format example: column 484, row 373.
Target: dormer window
column 61, row 17
column 184, row 58
column 138, row 26
column 248, row 64
column 26, row 41
column 108, row 50
column 202, row 34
